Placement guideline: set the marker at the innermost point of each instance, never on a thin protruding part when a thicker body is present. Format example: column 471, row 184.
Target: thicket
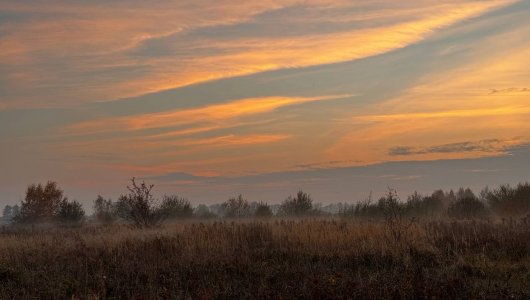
column 47, row 204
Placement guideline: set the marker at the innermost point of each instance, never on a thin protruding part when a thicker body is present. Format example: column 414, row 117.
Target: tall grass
column 281, row 258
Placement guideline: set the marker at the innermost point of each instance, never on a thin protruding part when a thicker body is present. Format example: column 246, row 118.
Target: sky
column 208, row 99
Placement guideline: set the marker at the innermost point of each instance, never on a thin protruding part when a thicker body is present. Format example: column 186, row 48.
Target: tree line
column 46, row 203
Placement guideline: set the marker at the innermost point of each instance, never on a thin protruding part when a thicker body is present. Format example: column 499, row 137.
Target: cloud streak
column 212, row 114
column 492, row 146
column 62, row 52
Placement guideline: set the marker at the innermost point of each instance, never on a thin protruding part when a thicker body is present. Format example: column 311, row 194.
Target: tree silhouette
column 139, row 206
column 236, row 207
column 174, row 207
column 41, row 203
column 263, row 210
column 104, row 210
column 300, row 205
column 70, row 212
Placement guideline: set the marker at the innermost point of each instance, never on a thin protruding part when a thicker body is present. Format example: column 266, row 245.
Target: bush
column 104, row 210
column 263, row 210
column 236, row 207
column 202, row 211
column 391, row 207
column 298, row 206
column 70, row 212
column 174, row 207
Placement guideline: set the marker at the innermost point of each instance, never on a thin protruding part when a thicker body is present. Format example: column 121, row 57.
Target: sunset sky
column 211, row 98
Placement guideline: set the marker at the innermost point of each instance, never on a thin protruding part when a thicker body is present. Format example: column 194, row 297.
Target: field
column 279, row 258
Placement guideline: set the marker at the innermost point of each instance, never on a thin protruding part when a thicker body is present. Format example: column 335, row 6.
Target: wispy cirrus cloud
column 211, row 114
column 54, row 55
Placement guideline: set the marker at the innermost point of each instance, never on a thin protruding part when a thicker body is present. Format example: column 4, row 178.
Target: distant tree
column 104, row 210
column 509, row 201
column 41, row 203
column 7, row 213
column 122, row 208
column 466, row 206
column 236, row 207
column 396, row 221
column 424, row 206
column 263, row 210
column 15, row 212
column 174, row 207
column 300, row 205
column 392, row 208
column 70, row 212
column 466, row 193
column 139, row 206
column 202, row 211
column 445, row 199
column 362, row 209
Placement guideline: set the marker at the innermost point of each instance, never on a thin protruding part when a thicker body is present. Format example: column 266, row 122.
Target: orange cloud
column 104, row 41
column 247, row 56
column 450, row 106
column 464, row 113
column 212, row 114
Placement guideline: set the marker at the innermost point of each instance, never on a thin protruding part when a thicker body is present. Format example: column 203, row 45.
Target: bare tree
column 139, row 206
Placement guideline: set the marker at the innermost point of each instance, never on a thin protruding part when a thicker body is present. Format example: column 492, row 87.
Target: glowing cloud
column 85, row 59
column 210, row 114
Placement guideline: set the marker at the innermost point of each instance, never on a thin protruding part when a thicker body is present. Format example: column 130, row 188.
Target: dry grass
column 274, row 259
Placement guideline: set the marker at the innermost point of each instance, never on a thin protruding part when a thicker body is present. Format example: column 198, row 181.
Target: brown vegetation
column 318, row 258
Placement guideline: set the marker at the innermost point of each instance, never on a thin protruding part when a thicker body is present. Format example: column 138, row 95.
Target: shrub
column 174, row 207
column 390, row 206
column 395, row 220
column 236, row 207
column 263, row 210
column 70, row 212
column 104, row 210
column 202, row 211
column 300, row 205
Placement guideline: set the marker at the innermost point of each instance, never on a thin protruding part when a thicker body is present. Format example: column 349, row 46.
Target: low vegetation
column 297, row 258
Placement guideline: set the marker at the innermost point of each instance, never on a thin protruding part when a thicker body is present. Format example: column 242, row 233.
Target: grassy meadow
column 301, row 258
